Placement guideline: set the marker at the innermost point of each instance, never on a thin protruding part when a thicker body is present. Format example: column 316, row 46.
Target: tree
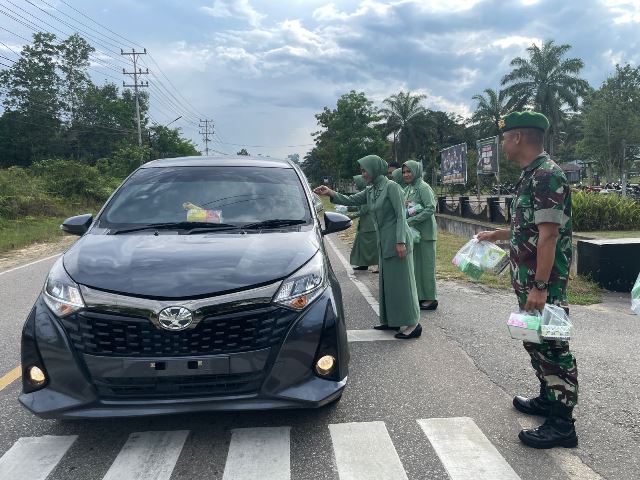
column 74, row 61
column 347, row 133
column 32, row 101
column 243, row 152
column 546, row 82
column 166, row 143
column 405, row 119
column 491, row 108
column 294, row 157
column 610, row 115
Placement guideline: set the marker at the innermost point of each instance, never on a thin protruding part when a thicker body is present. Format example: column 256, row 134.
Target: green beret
column 523, row 120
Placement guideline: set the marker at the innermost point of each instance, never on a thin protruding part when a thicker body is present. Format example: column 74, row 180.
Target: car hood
column 179, row 266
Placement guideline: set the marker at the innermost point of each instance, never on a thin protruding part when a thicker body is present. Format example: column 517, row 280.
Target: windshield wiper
column 274, row 223
column 179, row 226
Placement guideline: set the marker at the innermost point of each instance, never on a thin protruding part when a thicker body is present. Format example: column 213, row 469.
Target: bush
column 69, row 179
column 23, row 194
column 592, row 211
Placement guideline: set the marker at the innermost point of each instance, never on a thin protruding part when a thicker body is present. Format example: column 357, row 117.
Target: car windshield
column 209, row 195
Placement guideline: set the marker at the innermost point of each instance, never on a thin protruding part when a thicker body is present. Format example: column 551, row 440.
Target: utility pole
column 208, row 130
column 624, row 168
column 136, row 72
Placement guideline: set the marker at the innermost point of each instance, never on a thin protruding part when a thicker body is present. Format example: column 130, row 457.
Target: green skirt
column 424, row 264
column 398, row 298
column 365, row 249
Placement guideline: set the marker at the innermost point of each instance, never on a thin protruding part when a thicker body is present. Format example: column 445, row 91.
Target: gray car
column 202, row 284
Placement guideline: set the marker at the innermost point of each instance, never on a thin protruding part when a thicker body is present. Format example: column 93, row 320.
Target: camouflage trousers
column 556, row 369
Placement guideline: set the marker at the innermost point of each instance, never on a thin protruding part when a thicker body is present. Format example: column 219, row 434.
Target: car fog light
column 36, row 376
column 324, row 366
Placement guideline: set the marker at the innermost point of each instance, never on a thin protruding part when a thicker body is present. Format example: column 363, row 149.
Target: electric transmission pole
column 208, row 130
column 136, row 72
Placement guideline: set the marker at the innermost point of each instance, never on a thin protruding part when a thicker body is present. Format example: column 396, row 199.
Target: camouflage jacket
column 542, row 195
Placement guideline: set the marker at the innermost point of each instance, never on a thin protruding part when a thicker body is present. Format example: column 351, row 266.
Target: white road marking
column 259, row 453
column 364, row 451
column 464, row 450
column 366, row 293
column 30, row 263
column 34, row 458
column 370, row 335
column 148, row 456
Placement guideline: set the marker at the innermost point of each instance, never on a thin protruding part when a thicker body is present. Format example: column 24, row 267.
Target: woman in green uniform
column 365, row 246
column 418, row 192
column 399, row 308
column 396, row 176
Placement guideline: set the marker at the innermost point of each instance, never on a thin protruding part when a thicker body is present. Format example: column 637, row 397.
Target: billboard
column 488, row 156
column 453, row 164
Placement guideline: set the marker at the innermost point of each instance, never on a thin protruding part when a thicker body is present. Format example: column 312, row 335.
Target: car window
column 235, row 195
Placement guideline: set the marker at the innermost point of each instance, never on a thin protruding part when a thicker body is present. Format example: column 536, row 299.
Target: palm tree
column 491, row 108
column 546, row 82
column 405, row 119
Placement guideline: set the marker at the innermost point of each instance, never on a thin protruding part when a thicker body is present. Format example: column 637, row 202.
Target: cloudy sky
column 261, row 68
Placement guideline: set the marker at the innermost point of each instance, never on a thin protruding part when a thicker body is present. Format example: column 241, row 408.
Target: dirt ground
column 15, row 258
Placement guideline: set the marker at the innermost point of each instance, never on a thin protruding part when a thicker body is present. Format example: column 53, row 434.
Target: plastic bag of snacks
column 414, row 235
column 555, row 323
column 414, row 209
column 476, row 257
column 635, row 297
column 343, row 209
column 525, row 326
column 202, row 215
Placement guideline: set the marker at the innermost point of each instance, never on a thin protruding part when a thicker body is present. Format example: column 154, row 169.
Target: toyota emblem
column 175, row 318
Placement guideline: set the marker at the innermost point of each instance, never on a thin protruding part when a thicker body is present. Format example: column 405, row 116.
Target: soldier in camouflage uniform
column 540, row 255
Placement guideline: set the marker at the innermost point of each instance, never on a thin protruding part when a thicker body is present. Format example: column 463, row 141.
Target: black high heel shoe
column 414, row 334
column 384, row 326
column 431, row 306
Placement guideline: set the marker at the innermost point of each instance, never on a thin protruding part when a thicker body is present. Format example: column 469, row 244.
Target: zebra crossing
column 361, row 451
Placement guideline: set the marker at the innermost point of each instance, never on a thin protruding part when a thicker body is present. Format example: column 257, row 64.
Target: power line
column 106, row 28
column 38, row 28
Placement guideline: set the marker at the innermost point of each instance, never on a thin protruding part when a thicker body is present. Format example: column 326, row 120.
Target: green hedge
column 53, row 187
column 592, row 211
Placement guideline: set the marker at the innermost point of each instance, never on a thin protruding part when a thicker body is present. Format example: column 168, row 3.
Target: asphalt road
column 434, row 408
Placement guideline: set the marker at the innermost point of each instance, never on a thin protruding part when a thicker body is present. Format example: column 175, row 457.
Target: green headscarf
column 416, row 170
column 359, row 181
column 374, row 166
column 396, row 176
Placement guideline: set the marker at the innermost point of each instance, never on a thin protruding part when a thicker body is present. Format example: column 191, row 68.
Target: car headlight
column 61, row 293
column 303, row 286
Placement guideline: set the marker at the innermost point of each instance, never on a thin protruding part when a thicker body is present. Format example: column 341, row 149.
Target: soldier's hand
column 401, row 250
column 487, row 235
column 536, row 300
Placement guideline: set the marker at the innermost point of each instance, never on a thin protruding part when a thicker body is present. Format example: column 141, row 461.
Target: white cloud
column 234, row 9
column 626, row 11
column 516, row 41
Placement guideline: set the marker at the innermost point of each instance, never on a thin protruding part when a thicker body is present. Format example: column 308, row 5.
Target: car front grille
column 104, row 334
column 179, row 386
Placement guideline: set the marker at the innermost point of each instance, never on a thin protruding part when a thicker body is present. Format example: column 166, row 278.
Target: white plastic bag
column 476, row 257
column 343, row 209
column 555, row 323
column 635, row 297
column 414, row 235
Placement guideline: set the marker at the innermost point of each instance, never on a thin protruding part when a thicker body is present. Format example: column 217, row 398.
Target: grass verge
column 20, row 233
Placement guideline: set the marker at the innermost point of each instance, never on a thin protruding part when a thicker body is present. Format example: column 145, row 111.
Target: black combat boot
column 557, row 431
column 540, row 405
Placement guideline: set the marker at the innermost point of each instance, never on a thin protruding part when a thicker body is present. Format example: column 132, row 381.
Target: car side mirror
column 317, row 203
column 77, row 225
column 335, row 222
